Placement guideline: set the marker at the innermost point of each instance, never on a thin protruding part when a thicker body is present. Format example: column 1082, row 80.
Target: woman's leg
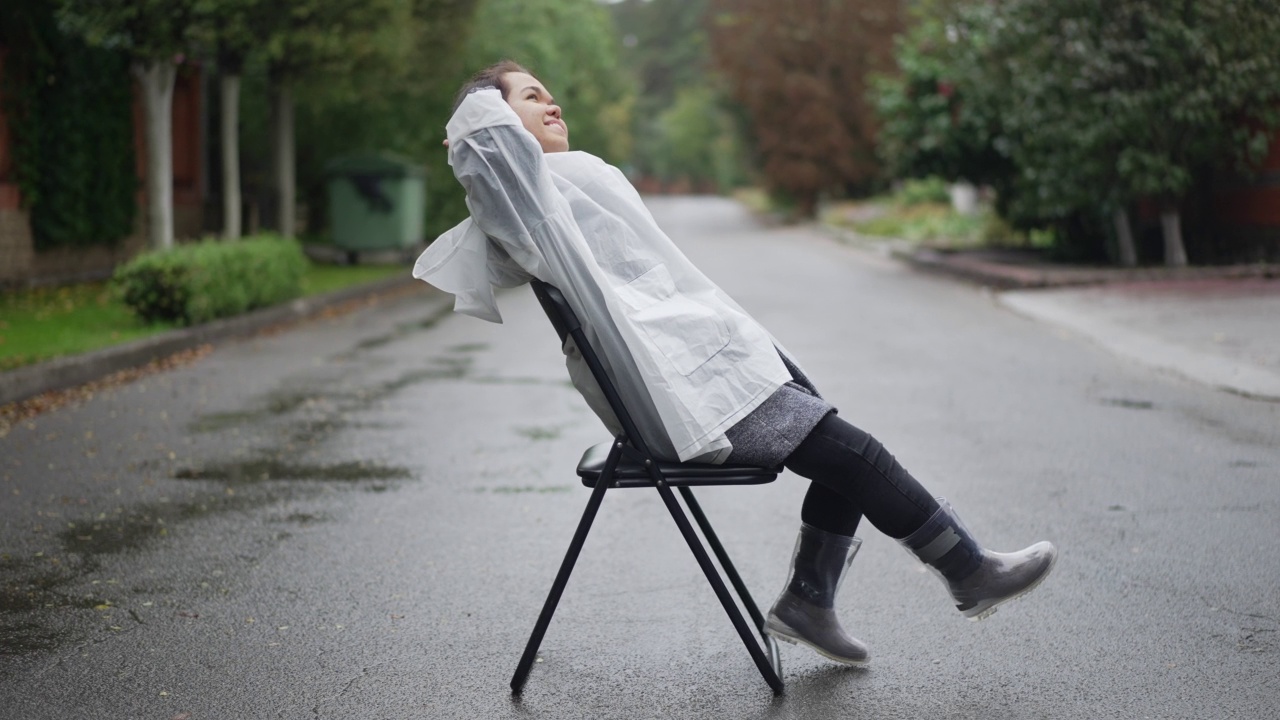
column 830, row 511
column 851, row 465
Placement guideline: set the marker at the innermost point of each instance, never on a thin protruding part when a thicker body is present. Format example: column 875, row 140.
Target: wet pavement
column 359, row 518
column 1224, row 333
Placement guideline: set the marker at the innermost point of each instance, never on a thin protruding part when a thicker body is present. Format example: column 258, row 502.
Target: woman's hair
column 490, row 77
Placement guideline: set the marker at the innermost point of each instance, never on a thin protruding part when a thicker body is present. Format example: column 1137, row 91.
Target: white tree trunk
column 283, row 139
column 1175, row 253
column 1124, row 238
column 157, row 78
column 230, row 130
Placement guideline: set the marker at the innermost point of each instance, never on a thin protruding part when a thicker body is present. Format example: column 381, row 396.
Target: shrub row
column 211, row 279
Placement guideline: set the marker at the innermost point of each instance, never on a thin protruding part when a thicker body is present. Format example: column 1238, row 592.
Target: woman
column 707, row 382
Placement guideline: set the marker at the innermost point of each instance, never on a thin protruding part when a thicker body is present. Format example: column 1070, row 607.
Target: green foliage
column 697, row 141
column 921, row 191
column 148, row 30
column 800, row 70
column 202, row 281
column 1073, row 108
column 937, row 116
column 571, row 46
column 70, row 109
column 927, row 222
column 684, row 127
column 395, row 100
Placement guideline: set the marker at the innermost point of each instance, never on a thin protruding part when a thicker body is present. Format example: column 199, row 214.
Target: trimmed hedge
column 211, row 279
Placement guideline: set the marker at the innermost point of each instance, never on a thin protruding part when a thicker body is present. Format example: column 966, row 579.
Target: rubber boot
column 978, row 579
column 804, row 613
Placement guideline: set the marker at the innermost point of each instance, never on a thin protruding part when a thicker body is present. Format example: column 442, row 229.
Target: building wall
column 15, row 232
column 1247, row 212
column 21, row 264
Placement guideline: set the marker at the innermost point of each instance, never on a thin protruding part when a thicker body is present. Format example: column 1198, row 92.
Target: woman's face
column 538, row 111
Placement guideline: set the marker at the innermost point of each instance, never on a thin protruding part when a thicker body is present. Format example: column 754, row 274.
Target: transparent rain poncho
column 686, row 359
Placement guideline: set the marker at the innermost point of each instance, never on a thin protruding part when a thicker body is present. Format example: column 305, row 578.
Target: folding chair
column 627, row 463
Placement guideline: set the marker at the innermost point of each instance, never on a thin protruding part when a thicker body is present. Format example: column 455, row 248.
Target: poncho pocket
column 684, row 330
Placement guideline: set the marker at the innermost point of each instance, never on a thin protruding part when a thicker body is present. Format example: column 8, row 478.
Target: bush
column 923, row 191
column 196, row 283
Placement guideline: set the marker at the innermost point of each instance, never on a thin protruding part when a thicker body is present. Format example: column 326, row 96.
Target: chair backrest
column 567, row 325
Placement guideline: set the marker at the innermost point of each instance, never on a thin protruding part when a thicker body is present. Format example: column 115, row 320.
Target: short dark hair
column 490, row 77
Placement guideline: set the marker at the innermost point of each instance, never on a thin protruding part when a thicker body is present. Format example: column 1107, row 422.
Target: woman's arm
column 500, row 165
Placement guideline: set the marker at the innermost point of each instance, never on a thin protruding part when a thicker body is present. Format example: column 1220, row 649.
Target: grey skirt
column 771, row 432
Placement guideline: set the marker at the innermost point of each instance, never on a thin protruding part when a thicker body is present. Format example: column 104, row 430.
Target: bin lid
column 380, row 164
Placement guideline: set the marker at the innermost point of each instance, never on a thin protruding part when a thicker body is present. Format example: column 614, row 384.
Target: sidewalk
column 1215, row 325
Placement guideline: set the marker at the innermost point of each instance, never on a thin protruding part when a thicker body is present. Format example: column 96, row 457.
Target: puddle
column 538, row 433
column 468, row 347
column 44, row 598
column 274, row 404
column 263, row 470
column 446, row 368
column 398, row 333
column 520, row 489
column 1128, row 403
column 304, row 518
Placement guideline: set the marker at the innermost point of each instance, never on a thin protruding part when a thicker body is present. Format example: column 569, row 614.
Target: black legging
column 854, row 475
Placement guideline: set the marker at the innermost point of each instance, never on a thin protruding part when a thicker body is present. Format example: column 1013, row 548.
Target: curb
column 1005, row 276
column 982, row 267
column 64, row 372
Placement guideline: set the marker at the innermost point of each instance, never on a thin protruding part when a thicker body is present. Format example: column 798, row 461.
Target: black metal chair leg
column 771, row 645
column 729, row 570
column 566, row 568
column 762, row 661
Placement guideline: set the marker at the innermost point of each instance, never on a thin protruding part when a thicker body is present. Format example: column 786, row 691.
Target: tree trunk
column 157, row 79
column 1124, row 238
column 1175, row 253
column 230, row 129
column 282, row 138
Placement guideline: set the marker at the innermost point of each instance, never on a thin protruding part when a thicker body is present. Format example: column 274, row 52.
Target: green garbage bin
column 376, row 202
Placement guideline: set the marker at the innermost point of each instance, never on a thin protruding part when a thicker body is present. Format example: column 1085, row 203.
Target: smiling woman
column 703, row 381
column 530, row 100
column 538, row 112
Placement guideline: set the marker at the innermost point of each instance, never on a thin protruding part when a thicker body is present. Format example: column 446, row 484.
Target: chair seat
column 632, row 474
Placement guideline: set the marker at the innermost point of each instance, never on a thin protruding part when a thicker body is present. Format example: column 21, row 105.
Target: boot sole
column 781, row 631
column 982, row 612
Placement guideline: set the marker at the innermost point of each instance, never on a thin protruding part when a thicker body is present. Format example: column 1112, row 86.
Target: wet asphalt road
column 359, row 518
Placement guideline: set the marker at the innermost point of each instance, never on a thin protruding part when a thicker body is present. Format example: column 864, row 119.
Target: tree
column 937, row 118
column 1092, row 104
column 321, row 38
column 395, row 104
column 696, row 141
column 801, row 71
column 155, row 34
column 1150, row 94
column 572, row 47
column 232, row 29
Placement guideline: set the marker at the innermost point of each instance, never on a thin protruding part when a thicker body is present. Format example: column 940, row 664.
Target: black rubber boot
column 805, row 612
column 978, row 579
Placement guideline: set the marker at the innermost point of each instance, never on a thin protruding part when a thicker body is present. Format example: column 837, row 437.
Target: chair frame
column 629, row 447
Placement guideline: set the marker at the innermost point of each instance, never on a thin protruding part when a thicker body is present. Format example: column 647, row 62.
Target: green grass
column 325, row 278
column 45, row 323
column 928, row 222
